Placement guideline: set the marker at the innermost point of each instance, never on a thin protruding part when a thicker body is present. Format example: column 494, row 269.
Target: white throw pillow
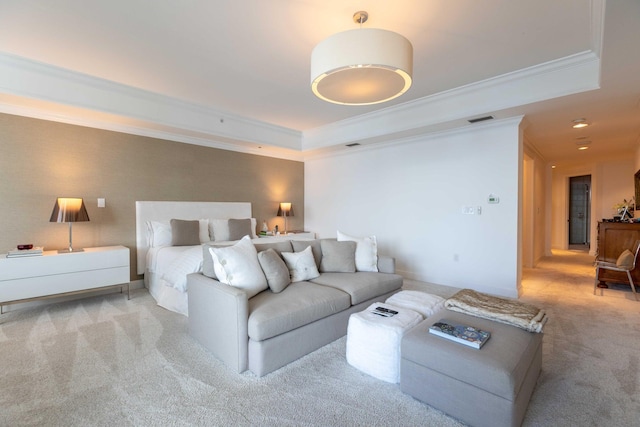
column 219, row 229
column 238, row 266
column 366, row 251
column 204, row 231
column 158, row 233
column 301, row 265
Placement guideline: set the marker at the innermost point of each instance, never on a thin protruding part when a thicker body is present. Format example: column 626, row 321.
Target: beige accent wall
column 41, row 160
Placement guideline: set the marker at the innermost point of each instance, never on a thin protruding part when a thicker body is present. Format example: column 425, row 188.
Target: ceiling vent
column 480, row 119
column 353, row 144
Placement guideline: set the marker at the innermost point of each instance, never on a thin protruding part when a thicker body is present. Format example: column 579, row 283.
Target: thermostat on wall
column 493, row 199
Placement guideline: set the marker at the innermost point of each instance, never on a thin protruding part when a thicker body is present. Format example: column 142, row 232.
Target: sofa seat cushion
column 361, row 286
column 299, row 304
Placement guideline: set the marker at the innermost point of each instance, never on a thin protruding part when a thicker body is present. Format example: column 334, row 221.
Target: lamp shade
column 361, row 67
column 285, row 209
column 69, row 210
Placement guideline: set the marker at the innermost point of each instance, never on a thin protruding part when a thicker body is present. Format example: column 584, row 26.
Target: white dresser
column 52, row 274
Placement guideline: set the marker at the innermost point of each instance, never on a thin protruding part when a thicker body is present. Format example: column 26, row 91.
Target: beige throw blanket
column 511, row 312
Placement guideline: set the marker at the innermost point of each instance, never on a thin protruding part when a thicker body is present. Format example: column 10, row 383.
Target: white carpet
column 108, row 361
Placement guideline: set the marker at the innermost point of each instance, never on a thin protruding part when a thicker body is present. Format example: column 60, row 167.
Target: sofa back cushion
column 338, row 257
column 300, row 245
column 279, row 247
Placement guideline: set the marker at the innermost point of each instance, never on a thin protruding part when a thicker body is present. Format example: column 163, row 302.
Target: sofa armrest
column 386, row 264
column 218, row 319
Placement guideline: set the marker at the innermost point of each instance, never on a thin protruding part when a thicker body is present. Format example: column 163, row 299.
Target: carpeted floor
column 108, row 361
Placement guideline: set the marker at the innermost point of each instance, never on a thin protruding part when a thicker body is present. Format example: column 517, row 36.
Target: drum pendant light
column 361, row 67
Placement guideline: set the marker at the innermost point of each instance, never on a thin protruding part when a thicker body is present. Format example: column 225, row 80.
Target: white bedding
column 166, row 275
column 165, row 267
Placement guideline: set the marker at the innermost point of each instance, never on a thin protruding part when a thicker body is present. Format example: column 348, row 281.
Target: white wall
column 411, row 194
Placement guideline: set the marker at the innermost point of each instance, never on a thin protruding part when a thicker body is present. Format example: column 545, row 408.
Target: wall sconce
column 69, row 210
column 285, row 209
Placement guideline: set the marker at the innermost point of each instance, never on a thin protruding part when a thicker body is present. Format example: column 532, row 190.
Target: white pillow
column 366, row 251
column 159, row 233
column 302, row 266
column 238, row 266
column 190, row 261
column 219, row 229
column 204, row 231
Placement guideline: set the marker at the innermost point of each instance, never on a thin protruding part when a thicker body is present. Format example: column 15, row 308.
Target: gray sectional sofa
column 269, row 330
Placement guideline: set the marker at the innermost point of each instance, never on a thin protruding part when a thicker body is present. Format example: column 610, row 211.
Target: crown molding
column 22, row 77
column 433, row 134
column 573, row 74
column 52, row 93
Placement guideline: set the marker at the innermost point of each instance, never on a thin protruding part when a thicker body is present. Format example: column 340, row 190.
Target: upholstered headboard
column 165, row 211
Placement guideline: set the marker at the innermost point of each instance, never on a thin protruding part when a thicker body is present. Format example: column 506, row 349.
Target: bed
column 165, row 266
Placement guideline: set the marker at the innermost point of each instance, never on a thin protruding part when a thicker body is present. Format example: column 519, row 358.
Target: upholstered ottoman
column 424, row 303
column 490, row 386
column 373, row 340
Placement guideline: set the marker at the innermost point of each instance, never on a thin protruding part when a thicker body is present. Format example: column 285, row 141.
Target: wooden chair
column 601, row 265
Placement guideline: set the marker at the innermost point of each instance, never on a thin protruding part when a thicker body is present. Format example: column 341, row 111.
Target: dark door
column 579, row 209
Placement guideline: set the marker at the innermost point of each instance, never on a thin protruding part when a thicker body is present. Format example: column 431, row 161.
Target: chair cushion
column 625, row 260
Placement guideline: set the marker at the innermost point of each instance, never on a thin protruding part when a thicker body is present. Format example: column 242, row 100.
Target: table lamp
column 69, row 210
column 285, row 209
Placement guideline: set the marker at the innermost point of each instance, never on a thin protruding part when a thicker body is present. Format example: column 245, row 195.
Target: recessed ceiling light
column 553, row 166
column 579, row 123
column 584, row 147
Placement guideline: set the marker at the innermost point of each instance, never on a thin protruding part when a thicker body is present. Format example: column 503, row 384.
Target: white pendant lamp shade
column 361, row 67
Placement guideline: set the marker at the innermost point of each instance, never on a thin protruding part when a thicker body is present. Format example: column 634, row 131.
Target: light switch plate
column 468, row 210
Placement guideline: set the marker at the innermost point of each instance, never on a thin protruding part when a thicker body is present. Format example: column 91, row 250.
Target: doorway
column 579, row 212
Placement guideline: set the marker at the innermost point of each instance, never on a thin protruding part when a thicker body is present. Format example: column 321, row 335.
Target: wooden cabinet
column 613, row 239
